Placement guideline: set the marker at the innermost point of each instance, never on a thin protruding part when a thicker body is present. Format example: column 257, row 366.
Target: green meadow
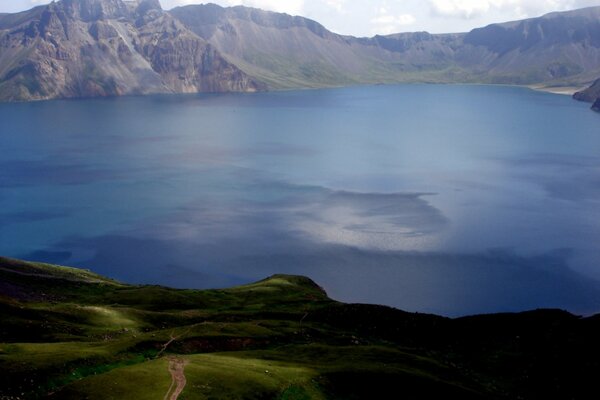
column 70, row 334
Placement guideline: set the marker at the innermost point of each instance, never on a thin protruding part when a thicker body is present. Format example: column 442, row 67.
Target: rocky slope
column 84, row 48
column 75, row 48
column 591, row 95
column 556, row 49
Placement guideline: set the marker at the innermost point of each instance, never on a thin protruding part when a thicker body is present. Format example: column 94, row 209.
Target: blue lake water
column 430, row 198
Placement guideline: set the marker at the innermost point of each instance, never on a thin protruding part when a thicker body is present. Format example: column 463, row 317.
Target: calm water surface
column 445, row 199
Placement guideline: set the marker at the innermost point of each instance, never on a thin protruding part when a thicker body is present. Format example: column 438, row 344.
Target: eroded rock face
column 87, row 48
column 590, row 94
column 558, row 49
column 186, row 62
column 93, row 10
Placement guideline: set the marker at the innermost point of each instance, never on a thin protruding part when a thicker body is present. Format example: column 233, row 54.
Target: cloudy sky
column 367, row 18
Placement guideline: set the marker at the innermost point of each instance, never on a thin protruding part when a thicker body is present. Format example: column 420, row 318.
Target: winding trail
column 178, row 381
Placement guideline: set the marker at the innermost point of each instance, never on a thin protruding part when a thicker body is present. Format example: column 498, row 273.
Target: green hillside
column 71, row 334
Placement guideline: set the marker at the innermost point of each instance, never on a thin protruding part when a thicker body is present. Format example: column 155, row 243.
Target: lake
column 448, row 199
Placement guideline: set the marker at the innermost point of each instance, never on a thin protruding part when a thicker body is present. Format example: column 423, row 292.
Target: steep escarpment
column 75, row 48
column 558, row 49
column 590, row 94
column 86, row 48
column 286, row 51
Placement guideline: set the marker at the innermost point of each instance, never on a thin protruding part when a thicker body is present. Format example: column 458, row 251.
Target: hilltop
column 70, row 334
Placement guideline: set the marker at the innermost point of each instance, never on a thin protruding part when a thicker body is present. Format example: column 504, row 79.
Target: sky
column 367, row 18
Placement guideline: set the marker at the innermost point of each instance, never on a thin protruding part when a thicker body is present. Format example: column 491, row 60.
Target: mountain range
column 86, row 48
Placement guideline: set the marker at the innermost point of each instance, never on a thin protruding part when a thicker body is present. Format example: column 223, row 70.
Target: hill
column 71, row 334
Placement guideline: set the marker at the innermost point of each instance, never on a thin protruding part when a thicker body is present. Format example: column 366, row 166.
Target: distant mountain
column 558, row 48
column 75, row 48
column 285, row 51
column 292, row 52
column 83, row 48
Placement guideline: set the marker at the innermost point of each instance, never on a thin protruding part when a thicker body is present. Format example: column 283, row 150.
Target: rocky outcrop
column 591, row 95
column 88, row 48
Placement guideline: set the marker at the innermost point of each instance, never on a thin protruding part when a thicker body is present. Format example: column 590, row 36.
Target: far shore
column 564, row 90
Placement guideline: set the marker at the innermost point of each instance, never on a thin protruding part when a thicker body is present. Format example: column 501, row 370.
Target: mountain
column 79, row 48
column 292, row 52
column 68, row 333
column 560, row 48
column 86, row 48
column 285, row 51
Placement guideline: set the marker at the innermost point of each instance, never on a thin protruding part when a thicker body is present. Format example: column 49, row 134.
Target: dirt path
column 171, row 340
column 178, row 381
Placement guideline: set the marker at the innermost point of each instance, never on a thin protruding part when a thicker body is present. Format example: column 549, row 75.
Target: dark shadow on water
column 441, row 283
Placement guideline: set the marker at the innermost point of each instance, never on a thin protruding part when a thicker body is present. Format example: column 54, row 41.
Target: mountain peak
column 93, row 10
column 143, row 6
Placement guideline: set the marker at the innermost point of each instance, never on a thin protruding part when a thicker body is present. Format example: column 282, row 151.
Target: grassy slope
column 77, row 335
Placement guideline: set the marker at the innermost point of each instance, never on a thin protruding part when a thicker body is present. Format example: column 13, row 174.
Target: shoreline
column 562, row 90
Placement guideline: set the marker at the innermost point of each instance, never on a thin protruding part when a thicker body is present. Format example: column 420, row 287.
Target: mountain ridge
column 471, row 57
column 89, row 48
column 114, row 49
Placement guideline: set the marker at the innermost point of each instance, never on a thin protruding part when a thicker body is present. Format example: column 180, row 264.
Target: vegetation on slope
column 71, row 334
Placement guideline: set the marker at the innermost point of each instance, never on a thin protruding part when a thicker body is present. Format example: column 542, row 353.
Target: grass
column 229, row 377
column 147, row 380
column 74, row 334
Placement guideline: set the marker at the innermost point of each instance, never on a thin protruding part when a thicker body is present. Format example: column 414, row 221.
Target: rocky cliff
column 85, row 48
column 75, row 48
column 559, row 48
column 556, row 49
column 591, row 95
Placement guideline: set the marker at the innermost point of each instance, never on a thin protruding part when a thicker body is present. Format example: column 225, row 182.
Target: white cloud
column 337, row 5
column 470, row 9
column 466, row 8
column 363, row 18
column 387, row 22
